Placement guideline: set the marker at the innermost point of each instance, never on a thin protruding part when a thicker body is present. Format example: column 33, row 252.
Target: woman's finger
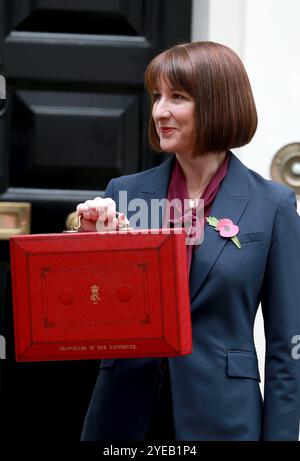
column 83, row 210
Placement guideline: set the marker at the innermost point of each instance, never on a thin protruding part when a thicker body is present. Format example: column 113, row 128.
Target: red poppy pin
column 226, row 228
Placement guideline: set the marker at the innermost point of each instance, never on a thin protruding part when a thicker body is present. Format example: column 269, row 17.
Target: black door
column 75, row 116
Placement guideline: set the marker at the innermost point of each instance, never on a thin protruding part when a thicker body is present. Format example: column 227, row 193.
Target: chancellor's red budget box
column 95, row 295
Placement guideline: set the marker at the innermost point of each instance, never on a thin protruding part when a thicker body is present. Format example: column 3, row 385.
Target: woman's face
column 173, row 113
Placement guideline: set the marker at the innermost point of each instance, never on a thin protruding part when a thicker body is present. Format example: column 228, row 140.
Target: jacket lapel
column 156, row 187
column 230, row 202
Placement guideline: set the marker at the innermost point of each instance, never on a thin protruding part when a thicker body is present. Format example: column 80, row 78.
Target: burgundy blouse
column 178, row 190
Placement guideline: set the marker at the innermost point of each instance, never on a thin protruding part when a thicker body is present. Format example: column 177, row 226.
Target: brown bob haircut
column 215, row 77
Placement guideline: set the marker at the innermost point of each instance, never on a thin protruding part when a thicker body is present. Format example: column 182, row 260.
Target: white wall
column 266, row 35
column 272, row 57
column 220, row 21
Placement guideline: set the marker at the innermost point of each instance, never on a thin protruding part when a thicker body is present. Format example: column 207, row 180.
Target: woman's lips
column 166, row 129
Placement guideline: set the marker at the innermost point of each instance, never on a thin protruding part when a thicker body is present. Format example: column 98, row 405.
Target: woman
column 202, row 106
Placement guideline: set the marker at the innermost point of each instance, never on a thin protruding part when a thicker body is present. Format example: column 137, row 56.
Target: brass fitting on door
column 285, row 167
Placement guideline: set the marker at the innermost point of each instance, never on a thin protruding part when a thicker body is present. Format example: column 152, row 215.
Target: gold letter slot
column 14, row 219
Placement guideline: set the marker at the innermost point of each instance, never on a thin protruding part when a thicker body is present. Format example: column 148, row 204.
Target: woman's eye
column 156, row 96
column 178, row 96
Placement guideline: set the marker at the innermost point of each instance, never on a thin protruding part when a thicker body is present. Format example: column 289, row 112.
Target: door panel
column 99, row 130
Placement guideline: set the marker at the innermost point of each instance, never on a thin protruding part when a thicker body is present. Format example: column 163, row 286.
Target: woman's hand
column 100, row 215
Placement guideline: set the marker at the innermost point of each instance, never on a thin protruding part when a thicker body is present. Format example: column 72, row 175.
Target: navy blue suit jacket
column 215, row 390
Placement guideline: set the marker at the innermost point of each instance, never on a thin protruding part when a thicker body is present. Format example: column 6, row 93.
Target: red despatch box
column 97, row 295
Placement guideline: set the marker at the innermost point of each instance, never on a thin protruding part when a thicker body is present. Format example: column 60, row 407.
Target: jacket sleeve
column 281, row 313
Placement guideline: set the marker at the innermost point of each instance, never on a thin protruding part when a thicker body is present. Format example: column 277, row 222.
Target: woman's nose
column 162, row 109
